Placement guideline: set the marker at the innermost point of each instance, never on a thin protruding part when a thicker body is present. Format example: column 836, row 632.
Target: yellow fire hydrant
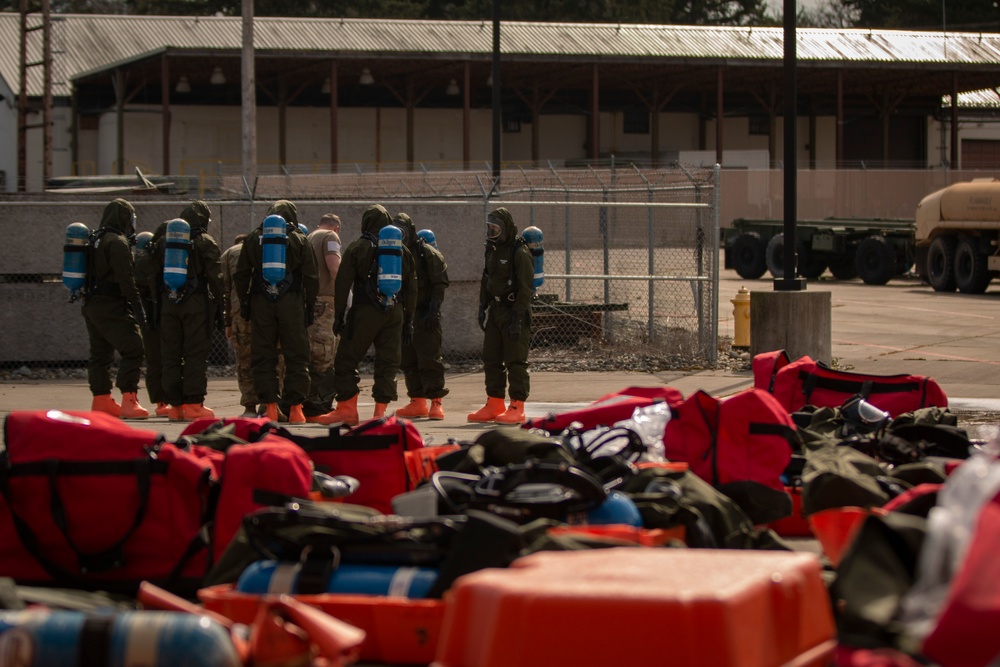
column 741, row 318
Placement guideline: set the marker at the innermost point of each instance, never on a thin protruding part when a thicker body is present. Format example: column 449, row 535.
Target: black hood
column 508, row 230
column 119, row 215
column 374, row 219
column 197, row 214
column 402, row 220
column 286, row 210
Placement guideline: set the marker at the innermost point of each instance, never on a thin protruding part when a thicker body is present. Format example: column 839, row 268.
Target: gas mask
column 493, row 229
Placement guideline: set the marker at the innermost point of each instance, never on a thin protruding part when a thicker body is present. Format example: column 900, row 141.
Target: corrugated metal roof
column 988, row 98
column 89, row 43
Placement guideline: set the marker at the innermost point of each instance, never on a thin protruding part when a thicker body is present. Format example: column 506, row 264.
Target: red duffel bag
column 808, row 382
column 607, row 410
column 90, row 502
column 373, row 452
column 740, row 445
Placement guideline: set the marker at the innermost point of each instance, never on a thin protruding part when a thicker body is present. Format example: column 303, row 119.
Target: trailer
column 958, row 236
column 874, row 249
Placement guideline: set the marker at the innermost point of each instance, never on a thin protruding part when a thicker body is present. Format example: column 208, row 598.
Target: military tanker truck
column 957, row 234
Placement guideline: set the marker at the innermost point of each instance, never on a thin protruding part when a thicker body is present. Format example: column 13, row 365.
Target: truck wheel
column 776, row 256
column 941, row 264
column 972, row 275
column 875, row 260
column 811, row 268
column 844, row 268
column 748, row 256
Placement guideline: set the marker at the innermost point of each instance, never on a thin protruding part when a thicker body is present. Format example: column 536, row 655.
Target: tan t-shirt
column 324, row 242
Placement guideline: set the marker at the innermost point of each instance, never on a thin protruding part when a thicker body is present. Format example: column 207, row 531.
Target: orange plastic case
column 397, row 630
column 627, row 606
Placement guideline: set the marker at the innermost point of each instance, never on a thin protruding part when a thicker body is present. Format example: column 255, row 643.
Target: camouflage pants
column 241, row 347
column 322, row 348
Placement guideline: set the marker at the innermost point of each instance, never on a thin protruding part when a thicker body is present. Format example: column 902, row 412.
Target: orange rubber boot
column 175, row 413
column 379, row 410
column 271, row 411
column 436, row 411
column 162, row 409
column 295, row 415
column 106, row 403
column 494, row 407
column 346, row 413
column 130, row 407
column 194, row 411
column 514, row 414
column 417, row 407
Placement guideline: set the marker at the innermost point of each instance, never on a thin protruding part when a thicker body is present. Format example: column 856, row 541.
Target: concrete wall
column 39, row 324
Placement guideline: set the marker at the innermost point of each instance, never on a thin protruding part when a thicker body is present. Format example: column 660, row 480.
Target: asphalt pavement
column 901, row 327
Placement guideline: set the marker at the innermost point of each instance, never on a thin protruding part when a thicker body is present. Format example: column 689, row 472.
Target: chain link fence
column 631, row 259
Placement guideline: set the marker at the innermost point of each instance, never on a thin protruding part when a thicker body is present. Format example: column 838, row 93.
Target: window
column 635, row 121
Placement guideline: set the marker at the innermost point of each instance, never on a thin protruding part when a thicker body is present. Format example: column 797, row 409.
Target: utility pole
column 496, row 94
column 45, row 26
column 249, row 88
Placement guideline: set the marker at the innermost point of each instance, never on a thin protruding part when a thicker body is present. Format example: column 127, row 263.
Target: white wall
column 203, row 137
column 8, row 137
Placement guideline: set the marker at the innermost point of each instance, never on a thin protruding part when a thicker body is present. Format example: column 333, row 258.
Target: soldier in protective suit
column 279, row 316
column 423, row 367
column 113, row 314
column 189, row 318
column 371, row 320
column 505, row 318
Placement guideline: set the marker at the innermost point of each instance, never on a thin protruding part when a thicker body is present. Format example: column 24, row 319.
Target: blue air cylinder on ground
column 271, row 577
column 274, row 248
column 428, row 237
column 617, row 508
column 390, row 261
column 533, row 238
column 74, row 273
column 175, row 255
column 127, row 639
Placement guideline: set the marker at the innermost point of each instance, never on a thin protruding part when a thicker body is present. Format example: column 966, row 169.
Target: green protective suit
column 111, row 325
column 422, row 363
column 146, row 280
column 369, row 322
column 279, row 319
column 505, row 290
column 189, row 318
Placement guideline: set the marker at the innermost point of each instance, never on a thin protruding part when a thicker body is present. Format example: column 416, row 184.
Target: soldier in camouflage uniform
column 325, row 243
column 238, row 329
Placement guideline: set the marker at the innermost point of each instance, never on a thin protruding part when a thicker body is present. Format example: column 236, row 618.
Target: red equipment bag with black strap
column 740, row 444
column 607, row 410
column 372, row 452
column 254, row 466
column 90, row 502
column 250, row 474
column 809, row 382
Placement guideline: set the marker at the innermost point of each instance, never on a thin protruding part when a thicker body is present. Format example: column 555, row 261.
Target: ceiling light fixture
column 183, row 85
column 366, row 78
column 326, row 86
column 217, row 78
column 452, row 88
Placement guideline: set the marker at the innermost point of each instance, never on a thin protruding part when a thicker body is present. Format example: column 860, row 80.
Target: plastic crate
column 628, row 606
